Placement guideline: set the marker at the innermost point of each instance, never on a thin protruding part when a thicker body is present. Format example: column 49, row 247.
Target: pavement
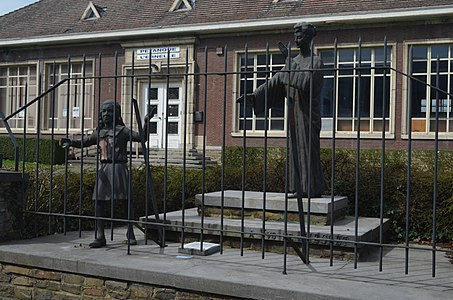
column 231, row 274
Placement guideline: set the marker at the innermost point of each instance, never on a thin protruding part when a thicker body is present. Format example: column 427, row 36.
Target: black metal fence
column 46, row 116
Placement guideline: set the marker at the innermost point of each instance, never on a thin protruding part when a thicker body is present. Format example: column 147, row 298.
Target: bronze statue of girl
column 113, row 163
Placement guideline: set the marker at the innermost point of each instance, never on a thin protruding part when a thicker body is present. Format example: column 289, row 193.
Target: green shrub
column 174, row 187
column 50, row 199
column 7, row 149
column 53, row 199
column 254, row 169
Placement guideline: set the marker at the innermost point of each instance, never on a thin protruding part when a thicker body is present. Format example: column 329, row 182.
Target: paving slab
column 230, row 274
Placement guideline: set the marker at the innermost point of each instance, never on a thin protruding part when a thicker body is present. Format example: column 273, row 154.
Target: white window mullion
column 448, row 90
column 354, row 94
column 372, row 87
column 428, row 92
column 336, row 77
column 8, row 97
column 255, row 81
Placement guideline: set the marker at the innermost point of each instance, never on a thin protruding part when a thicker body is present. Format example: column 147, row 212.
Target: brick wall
column 19, row 282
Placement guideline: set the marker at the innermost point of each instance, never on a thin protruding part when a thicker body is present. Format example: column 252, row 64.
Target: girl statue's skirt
column 111, row 179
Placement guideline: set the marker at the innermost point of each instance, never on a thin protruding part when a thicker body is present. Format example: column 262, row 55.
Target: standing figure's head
column 107, row 113
column 303, row 34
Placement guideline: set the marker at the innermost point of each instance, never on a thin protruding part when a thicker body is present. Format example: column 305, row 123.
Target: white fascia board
column 369, row 17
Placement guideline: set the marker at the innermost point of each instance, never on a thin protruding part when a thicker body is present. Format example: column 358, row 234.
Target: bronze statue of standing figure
column 113, row 173
column 301, row 81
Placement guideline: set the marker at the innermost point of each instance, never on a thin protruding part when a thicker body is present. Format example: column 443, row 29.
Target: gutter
column 367, row 17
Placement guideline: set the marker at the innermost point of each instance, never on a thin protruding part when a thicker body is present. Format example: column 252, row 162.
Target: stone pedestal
column 11, row 201
column 321, row 209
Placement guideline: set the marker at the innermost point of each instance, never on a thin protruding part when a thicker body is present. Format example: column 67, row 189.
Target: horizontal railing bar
column 36, row 99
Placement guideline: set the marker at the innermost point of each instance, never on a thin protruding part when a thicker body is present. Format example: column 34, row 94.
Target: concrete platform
column 344, row 230
column 241, row 215
column 243, row 277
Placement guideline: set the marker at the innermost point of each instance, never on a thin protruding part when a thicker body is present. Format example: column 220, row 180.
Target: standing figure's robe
column 299, row 92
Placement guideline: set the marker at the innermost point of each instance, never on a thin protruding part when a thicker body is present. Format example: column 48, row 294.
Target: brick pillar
column 11, row 199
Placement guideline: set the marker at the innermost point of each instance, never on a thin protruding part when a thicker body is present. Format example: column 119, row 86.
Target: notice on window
column 22, row 114
column 65, row 112
column 76, row 112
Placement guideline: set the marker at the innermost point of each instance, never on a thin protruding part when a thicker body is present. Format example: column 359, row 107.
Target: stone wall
column 19, row 282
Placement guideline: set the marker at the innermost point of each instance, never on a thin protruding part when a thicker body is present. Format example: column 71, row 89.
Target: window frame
column 236, row 132
column 426, row 135
column 31, row 65
column 376, row 134
column 390, row 134
column 47, row 67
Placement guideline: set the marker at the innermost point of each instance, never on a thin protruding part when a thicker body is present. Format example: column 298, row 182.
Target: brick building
column 113, row 38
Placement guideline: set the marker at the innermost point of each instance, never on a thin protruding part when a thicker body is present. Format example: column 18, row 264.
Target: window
column 282, row 1
column 61, row 111
column 349, row 90
column 18, row 85
column 424, row 99
column 257, row 64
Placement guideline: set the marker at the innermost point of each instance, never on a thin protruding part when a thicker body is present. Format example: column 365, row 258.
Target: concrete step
column 157, row 158
column 343, row 231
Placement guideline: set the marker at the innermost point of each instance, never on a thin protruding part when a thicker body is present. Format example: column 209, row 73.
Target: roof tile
column 56, row 17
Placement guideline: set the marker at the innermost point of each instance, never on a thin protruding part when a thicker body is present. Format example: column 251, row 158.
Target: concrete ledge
column 230, row 274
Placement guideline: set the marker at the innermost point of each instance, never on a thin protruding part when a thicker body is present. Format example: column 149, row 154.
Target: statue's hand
column 249, row 99
column 150, row 115
column 152, row 112
column 65, row 143
column 286, row 54
column 147, row 118
column 283, row 49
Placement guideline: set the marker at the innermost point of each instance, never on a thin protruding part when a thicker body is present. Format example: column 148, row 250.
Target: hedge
column 7, row 149
column 38, row 225
column 395, row 186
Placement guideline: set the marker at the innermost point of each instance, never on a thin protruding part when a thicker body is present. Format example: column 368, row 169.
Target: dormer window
column 93, row 12
column 279, row 1
column 182, row 5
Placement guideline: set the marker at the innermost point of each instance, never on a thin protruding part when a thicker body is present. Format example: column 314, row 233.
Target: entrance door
column 158, row 97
